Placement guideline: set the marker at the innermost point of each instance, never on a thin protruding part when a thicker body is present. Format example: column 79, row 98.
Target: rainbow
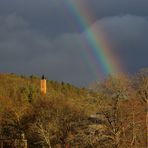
column 103, row 60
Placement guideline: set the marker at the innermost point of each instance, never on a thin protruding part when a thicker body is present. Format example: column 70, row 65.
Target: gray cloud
column 129, row 35
column 25, row 51
column 37, row 37
column 54, row 18
column 18, row 40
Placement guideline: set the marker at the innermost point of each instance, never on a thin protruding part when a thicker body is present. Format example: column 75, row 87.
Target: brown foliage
column 111, row 116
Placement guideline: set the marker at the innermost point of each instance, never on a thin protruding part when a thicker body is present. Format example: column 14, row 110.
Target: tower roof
column 43, row 77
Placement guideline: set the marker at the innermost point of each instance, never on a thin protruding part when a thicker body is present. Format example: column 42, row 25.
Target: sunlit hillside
column 111, row 115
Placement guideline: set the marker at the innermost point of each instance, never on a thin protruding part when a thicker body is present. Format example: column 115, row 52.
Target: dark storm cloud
column 105, row 8
column 25, row 51
column 17, row 41
column 129, row 37
column 36, row 36
column 52, row 17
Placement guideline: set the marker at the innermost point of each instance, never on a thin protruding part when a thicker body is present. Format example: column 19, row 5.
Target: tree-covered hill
column 112, row 115
column 11, row 85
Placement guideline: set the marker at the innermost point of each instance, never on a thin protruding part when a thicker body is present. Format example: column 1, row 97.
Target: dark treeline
column 113, row 114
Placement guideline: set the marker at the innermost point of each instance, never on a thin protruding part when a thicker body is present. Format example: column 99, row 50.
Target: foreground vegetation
column 109, row 115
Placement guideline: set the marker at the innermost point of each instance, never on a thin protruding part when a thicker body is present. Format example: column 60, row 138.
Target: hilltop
column 12, row 85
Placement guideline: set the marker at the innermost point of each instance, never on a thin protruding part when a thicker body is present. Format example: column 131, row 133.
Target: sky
column 40, row 37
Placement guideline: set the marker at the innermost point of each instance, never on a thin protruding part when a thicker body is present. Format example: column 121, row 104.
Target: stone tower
column 43, row 85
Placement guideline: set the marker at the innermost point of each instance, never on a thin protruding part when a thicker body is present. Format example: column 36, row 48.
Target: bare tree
column 117, row 90
column 141, row 87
